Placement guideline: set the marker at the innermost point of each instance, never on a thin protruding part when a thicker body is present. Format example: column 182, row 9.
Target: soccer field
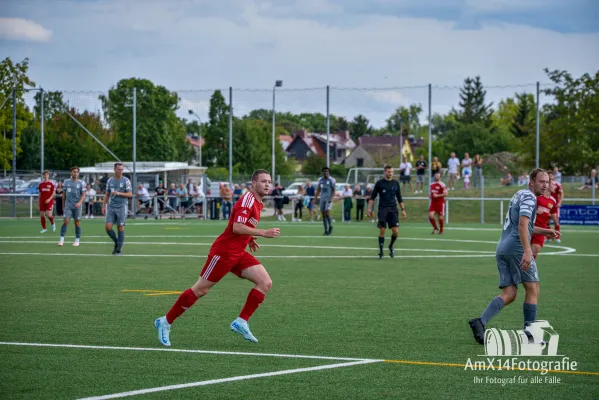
column 338, row 324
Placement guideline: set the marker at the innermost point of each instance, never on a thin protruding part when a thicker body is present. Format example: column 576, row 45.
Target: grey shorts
column 419, row 178
column 72, row 213
column 510, row 273
column 116, row 216
column 325, row 205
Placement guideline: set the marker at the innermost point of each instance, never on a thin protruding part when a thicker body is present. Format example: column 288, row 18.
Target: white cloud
column 199, row 45
column 23, row 29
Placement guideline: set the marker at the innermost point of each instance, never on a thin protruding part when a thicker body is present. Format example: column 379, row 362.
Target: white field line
column 260, row 256
column 171, row 350
column 231, row 379
column 262, row 245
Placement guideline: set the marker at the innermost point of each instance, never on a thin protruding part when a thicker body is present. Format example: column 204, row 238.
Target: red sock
column 51, row 220
column 186, row 300
column 433, row 223
column 43, row 219
column 255, row 298
column 557, row 227
column 441, row 222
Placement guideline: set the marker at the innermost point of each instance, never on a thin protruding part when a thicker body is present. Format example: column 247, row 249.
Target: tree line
column 569, row 126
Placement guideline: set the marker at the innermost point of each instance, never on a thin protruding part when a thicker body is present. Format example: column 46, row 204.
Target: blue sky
column 88, row 45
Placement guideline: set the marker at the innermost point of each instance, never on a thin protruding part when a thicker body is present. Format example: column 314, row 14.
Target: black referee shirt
column 389, row 192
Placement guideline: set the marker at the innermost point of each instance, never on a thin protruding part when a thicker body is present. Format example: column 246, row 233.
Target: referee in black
column 389, row 191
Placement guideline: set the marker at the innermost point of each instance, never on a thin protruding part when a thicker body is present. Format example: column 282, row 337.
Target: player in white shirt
column 144, row 199
column 453, row 170
column 405, row 168
column 90, row 198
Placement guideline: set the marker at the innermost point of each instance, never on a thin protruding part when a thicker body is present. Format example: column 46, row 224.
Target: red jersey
column 557, row 190
column 46, row 189
column 545, row 207
column 438, row 188
column 245, row 211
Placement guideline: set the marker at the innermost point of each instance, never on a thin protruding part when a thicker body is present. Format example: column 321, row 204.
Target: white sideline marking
column 260, row 256
column 229, row 353
column 231, row 379
column 262, row 245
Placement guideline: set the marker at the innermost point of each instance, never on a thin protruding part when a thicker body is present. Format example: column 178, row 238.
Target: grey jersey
column 73, row 190
column 327, row 188
column 122, row 185
column 524, row 203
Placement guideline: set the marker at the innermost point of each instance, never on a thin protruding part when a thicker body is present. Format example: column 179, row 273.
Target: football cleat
column 478, row 330
column 391, row 252
column 43, row 231
column 164, row 331
column 241, row 326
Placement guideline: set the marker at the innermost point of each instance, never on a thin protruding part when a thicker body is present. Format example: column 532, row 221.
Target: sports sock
column 185, row 300
column 393, row 239
column 433, row 222
column 557, row 227
column 330, row 220
column 381, row 243
column 530, row 312
column 326, row 224
column 255, row 298
column 441, row 223
column 63, row 230
column 492, row 310
column 77, row 232
column 121, row 240
column 51, row 220
column 43, row 220
column 112, row 236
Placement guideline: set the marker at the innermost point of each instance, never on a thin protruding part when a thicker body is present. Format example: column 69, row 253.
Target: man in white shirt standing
column 405, row 168
column 143, row 196
column 453, row 170
column 90, row 198
column 466, row 166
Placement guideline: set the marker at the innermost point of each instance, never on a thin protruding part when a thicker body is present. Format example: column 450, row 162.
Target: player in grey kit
column 119, row 191
column 72, row 198
column 326, row 191
column 514, row 255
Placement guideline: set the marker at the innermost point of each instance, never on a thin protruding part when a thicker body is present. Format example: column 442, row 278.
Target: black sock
column 393, row 239
column 121, row 240
column 381, row 243
column 325, row 221
column 112, row 236
column 330, row 220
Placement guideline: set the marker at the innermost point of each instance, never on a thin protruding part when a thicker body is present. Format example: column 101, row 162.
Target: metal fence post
column 482, row 199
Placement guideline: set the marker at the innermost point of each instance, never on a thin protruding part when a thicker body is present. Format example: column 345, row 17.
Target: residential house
column 305, row 144
column 375, row 151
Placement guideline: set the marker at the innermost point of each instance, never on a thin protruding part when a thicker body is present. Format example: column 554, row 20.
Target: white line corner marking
column 348, row 363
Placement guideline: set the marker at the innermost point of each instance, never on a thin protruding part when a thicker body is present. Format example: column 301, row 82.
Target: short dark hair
column 46, row 172
column 387, row 167
column 257, row 173
column 117, row 164
column 326, row 169
column 74, row 167
column 535, row 172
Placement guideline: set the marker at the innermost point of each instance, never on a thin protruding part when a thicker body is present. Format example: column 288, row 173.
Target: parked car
column 291, row 190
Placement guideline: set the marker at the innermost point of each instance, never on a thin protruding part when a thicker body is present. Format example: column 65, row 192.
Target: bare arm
column 523, row 233
column 127, row 195
column 242, row 229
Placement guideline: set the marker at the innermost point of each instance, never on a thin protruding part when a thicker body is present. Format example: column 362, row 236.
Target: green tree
column 570, row 134
column 473, row 107
column 359, row 126
column 13, row 75
column 405, row 120
column 217, row 133
column 524, row 120
column 160, row 133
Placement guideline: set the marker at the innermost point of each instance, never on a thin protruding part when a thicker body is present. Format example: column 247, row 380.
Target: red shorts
column 46, row 206
column 218, row 265
column 438, row 208
column 538, row 239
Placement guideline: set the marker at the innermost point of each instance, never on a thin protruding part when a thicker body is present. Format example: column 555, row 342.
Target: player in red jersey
column 228, row 254
column 47, row 190
column 546, row 207
column 438, row 192
column 558, row 194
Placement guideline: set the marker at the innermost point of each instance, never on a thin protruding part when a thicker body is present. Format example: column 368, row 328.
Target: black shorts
column 405, row 178
column 388, row 217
